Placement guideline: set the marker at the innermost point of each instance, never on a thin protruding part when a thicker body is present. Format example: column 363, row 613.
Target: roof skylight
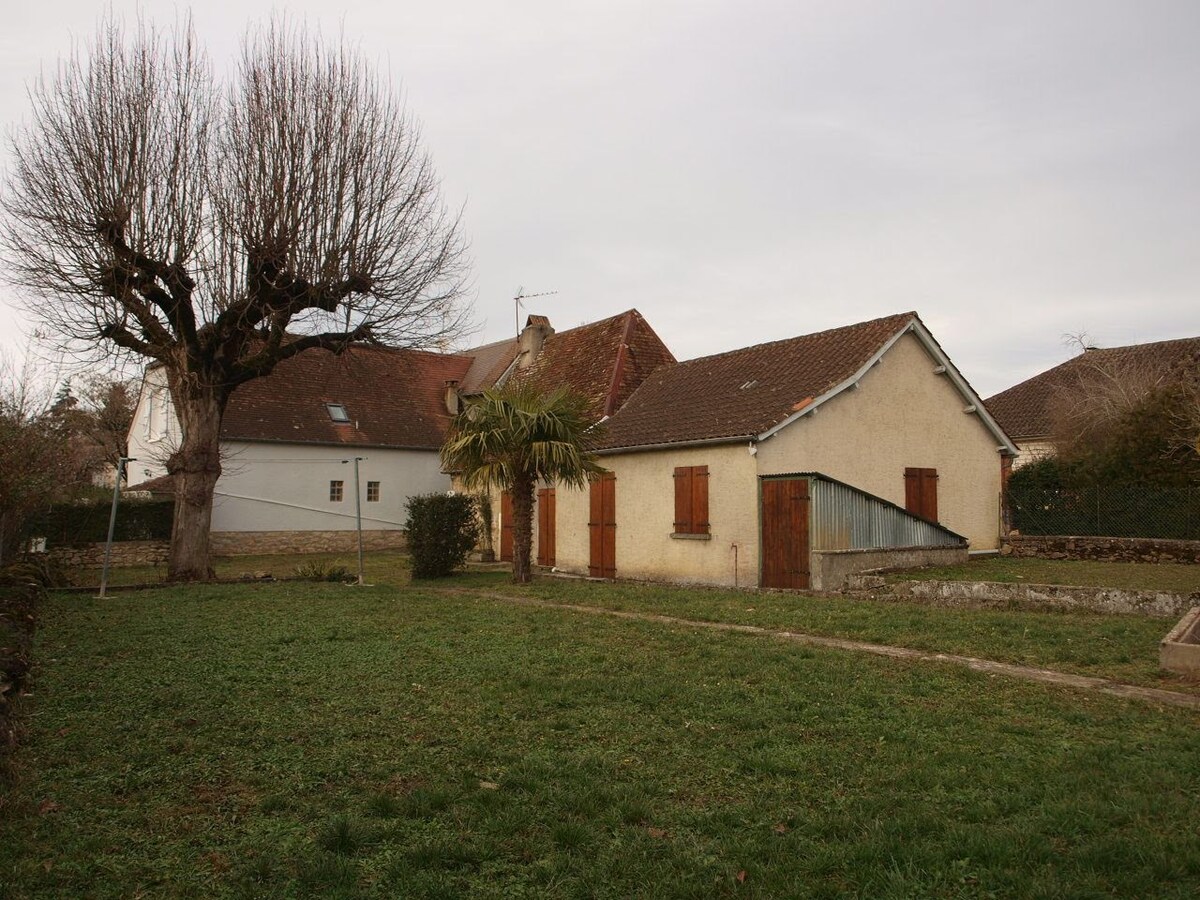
column 337, row 412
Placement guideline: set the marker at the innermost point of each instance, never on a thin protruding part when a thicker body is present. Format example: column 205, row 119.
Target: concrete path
column 1010, row 670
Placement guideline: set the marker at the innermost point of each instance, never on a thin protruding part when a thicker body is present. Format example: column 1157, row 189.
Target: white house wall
column 286, row 487
column 276, row 487
column 154, row 431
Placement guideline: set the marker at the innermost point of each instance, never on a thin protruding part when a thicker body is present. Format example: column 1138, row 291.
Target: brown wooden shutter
column 683, row 499
column 920, row 493
column 506, row 527
column 699, row 499
column 691, row 500
column 545, row 507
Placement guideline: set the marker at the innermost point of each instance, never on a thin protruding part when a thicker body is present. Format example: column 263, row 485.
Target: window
column 335, row 491
column 920, row 493
column 372, row 491
column 691, row 500
column 337, row 412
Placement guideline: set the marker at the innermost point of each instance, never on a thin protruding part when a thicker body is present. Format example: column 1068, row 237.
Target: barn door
column 506, row 527
column 545, row 505
column 785, row 533
column 602, row 527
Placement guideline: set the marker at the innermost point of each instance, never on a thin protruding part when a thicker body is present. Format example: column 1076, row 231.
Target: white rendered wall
column 154, row 431
column 285, row 487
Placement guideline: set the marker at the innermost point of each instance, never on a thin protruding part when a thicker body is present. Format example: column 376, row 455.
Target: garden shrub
column 442, row 529
column 325, row 571
column 21, row 586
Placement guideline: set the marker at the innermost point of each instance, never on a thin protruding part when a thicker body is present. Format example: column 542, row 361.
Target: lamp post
column 112, row 519
column 358, row 516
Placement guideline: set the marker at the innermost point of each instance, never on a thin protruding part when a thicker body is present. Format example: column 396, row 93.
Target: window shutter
column 920, row 493
column 700, row 500
column 683, row 500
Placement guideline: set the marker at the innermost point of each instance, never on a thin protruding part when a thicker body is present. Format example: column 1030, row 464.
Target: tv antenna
column 521, row 295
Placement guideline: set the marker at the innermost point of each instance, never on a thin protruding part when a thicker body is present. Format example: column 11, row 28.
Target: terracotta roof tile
column 1025, row 409
column 394, row 398
column 745, row 392
column 490, row 362
column 604, row 361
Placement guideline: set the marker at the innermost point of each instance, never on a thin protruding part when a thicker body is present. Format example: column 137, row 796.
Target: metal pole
column 112, row 521
column 358, row 519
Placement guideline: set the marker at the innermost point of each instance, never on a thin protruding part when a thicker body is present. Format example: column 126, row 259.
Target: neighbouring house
column 605, row 362
column 788, row 464
column 289, row 440
column 1029, row 411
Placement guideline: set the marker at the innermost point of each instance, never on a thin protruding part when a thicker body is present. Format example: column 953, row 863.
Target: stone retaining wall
column 1102, row 548
column 988, row 594
column 124, row 553
column 270, row 543
column 831, row 568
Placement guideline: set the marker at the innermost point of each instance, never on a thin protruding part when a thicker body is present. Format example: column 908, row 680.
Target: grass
column 303, row 739
column 1120, row 647
column 1173, row 577
column 380, row 567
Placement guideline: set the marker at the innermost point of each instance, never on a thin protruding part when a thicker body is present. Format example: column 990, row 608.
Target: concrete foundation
column 1180, row 649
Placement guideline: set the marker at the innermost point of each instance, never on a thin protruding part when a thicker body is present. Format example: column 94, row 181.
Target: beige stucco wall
column 1033, row 450
column 902, row 414
column 645, row 495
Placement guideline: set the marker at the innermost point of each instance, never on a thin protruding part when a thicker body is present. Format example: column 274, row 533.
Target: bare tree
column 217, row 229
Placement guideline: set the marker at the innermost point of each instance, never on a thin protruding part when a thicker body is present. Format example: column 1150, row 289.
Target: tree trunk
column 522, row 507
column 195, row 467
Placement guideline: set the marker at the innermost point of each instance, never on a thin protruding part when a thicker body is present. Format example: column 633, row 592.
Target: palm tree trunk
column 522, row 507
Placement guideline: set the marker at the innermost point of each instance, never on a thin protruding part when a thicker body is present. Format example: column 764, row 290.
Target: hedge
column 63, row 524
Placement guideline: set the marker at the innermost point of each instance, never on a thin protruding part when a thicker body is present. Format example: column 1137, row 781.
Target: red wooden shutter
column 929, row 494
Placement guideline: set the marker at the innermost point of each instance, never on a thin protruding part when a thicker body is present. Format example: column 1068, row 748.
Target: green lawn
column 301, row 739
column 1134, row 576
column 1123, row 648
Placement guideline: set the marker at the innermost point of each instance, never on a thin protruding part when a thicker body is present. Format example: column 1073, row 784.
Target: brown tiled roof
column 491, row 361
column 395, row 398
column 604, row 361
column 745, row 392
column 1025, row 410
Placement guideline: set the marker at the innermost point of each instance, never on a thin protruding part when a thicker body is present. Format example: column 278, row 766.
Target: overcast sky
column 747, row 171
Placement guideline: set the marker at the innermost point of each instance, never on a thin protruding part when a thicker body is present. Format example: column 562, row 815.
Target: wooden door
column 545, row 504
column 506, row 527
column 785, row 533
column 602, row 527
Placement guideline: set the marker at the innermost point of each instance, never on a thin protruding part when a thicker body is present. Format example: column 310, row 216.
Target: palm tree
column 512, row 438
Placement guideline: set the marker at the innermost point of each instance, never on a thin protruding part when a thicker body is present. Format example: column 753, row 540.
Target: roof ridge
column 812, row 334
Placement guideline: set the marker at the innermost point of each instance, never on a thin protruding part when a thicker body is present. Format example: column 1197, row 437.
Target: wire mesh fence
column 1106, row 510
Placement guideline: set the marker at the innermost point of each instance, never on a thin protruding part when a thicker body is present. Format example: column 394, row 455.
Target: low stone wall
column 270, row 543
column 1153, row 550
column 988, row 594
column 124, row 553
column 831, row 568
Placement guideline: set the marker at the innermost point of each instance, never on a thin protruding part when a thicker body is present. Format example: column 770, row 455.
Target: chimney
column 453, row 402
column 529, row 344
